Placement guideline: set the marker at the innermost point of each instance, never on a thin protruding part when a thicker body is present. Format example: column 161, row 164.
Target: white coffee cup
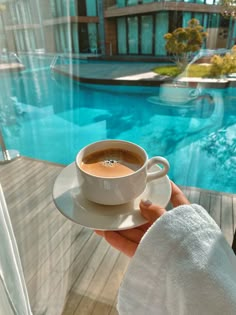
column 177, row 93
column 118, row 189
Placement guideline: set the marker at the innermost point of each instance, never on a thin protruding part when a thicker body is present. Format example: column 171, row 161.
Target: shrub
column 223, row 65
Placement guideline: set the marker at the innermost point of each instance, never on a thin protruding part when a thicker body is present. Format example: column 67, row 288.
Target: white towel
column 182, row 266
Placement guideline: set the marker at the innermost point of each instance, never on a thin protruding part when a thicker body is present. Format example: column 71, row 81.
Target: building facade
column 109, row 27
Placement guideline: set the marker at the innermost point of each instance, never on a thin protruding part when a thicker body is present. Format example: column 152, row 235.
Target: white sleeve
column 182, row 266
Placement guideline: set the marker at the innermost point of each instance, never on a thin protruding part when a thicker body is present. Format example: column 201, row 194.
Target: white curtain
column 13, row 293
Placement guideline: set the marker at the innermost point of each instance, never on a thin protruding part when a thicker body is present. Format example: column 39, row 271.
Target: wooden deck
column 68, row 269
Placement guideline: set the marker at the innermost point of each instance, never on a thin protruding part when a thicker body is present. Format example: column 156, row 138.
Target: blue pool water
column 49, row 117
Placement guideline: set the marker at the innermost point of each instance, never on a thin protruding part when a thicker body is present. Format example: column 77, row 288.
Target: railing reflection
column 6, row 156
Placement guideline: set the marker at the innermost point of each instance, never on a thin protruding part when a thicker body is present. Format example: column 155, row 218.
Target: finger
column 133, row 235
column 144, row 227
column 120, row 242
column 177, row 197
column 150, row 211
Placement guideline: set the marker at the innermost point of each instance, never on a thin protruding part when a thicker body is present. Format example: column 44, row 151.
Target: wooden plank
column 100, row 278
column 85, row 273
column 194, row 195
column 215, row 208
column 58, row 251
column 77, row 277
column 35, row 256
column 33, row 196
column 227, row 218
column 204, row 200
column 109, row 292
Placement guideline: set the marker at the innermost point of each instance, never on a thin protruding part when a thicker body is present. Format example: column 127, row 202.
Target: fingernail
column 146, row 202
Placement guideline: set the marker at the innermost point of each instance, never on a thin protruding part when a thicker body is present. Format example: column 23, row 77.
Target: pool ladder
column 10, row 56
column 54, row 61
column 56, row 58
column 7, row 156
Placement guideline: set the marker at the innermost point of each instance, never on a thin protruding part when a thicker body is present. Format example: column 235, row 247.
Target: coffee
column 111, row 163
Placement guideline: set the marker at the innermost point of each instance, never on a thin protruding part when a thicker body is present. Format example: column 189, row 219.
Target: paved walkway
column 11, row 67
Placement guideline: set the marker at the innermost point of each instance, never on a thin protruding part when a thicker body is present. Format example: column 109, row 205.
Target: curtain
column 121, row 30
column 146, row 34
column 13, row 293
column 133, row 34
column 161, row 30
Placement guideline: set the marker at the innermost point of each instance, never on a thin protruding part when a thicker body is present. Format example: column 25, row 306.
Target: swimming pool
column 49, row 117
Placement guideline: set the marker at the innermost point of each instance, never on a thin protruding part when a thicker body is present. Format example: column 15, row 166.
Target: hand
column 127, row 241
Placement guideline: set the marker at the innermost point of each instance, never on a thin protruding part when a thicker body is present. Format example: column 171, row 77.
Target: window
column 133, row 37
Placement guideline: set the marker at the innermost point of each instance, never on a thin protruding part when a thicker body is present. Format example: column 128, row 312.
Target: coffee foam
column 111, row 163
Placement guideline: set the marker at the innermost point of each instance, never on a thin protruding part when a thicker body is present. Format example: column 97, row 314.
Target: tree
column 229, row 8
column 184, row 41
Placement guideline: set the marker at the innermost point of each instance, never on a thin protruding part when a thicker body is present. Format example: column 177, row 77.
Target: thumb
column 150, row 211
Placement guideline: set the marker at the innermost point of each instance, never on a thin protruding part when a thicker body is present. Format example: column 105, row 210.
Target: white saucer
column 73, row 205
column 157, row 100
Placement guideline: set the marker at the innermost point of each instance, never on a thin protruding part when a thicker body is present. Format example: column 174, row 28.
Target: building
column 109, row 27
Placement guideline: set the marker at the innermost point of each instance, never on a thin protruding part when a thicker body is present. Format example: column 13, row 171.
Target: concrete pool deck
column 130, row 73
column 6, row 67
column 111, row 73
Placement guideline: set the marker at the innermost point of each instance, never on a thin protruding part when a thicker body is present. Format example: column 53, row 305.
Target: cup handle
column 160, row 173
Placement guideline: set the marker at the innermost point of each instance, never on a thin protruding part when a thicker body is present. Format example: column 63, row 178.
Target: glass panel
column 146, row 34
column 75, row 41
column 73, row 9
column 121, row 3
column 83, row 38
column 91, row 6
column 133, row 35
column 132, row 2
column 59, row 93
column 162, row 27
column 214, row 20
column 59, row 8
column 186, row 18
column 53, row 8
column 199, row 17
column 65, row 7
column 81, row 7
column 92, row 34
column 122, row 36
